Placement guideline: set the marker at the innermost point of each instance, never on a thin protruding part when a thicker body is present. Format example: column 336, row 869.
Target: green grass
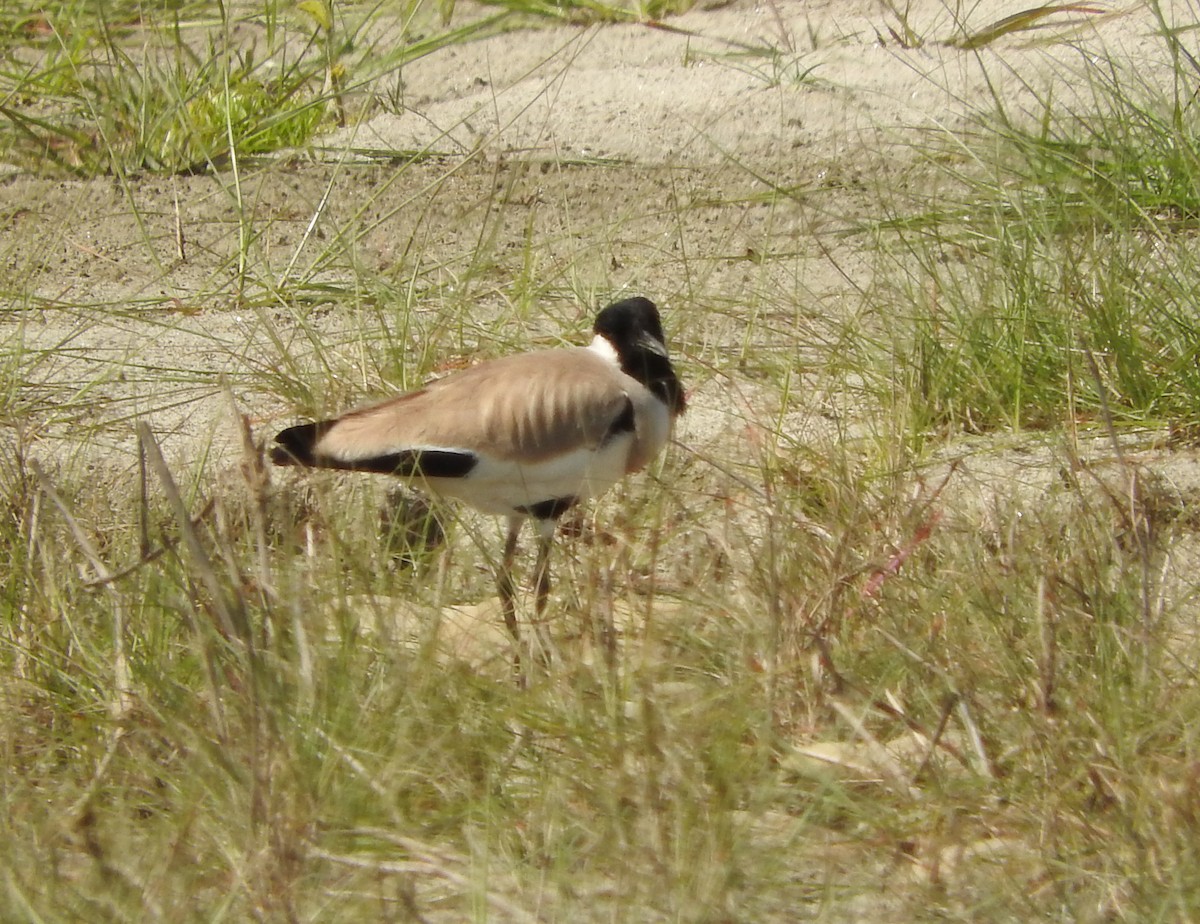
column 1052, row 282
column 943, row 517
column 190, row 88
column 585, row 12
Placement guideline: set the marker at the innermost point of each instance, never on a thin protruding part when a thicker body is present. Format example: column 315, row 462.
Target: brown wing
column 529, row 407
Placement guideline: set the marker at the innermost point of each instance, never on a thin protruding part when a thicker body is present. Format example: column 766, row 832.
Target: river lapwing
column 526, row 436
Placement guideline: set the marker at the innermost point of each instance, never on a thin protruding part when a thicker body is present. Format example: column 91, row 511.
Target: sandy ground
column 571, row 163
column 688, row 117
column 592, row 138
column 561, row 166
column 696, row 93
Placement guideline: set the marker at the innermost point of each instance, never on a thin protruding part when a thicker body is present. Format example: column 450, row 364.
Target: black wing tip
column 281, row 456
column 294, row 446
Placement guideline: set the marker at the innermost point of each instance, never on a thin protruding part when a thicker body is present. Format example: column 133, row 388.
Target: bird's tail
column 296, row 445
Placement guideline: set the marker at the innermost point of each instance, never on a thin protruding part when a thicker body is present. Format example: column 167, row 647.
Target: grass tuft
column 1049, row 286
column 903, row 627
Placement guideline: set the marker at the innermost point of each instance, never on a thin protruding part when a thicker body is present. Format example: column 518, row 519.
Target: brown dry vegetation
column 907, row 615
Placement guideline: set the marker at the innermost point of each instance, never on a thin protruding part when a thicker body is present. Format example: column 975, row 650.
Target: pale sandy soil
column 573, row 162
column 687, row 126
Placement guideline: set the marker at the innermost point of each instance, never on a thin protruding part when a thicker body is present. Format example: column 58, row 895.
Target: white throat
column 601, row 346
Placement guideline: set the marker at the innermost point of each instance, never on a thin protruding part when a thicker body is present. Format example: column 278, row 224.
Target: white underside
column 501, row 487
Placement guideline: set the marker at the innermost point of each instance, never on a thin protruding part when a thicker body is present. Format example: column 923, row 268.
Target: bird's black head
column 625, row 323
column 635, row 331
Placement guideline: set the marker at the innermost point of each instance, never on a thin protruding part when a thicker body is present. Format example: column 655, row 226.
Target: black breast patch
column 549, row 509
column 623, row 423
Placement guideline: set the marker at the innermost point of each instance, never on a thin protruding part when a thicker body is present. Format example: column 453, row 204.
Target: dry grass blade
column 436, row 865
column 1047, row 621
column 150, row 554
column 983, row 762
column 881, row 758
column 231, row 618
column 122, row 685
column 1020, row 22
column 934, row 740
column 258, row 483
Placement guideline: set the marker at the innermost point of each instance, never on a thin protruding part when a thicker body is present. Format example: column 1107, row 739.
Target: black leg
column 541, row 573
column 504, row 581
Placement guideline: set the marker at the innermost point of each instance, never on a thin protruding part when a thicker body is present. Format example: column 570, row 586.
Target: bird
column 526, row 436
